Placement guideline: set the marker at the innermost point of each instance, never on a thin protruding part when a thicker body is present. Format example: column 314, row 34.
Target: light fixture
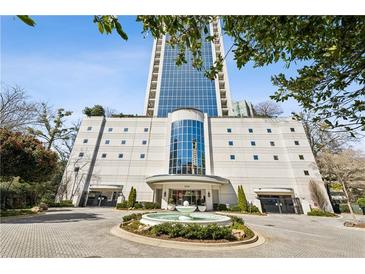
column 208, row 194
column 164, row 194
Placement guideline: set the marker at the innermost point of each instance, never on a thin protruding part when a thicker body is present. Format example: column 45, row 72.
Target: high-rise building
column 191, row 146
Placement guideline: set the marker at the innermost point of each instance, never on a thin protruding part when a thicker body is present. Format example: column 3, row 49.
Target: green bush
column 15, row 212
column 138, row 205
column 222, row 207
column 43, row 206
column 64, row 203
column 361, row 202
column 321, row 213
column 237, row 220
column 235, row 208
column 122, row 205
column 193, row 231
column 133, row 216
column 241, row 197
column 253, row 209
column 151, row 205
column 344, row 208
column 132, row 197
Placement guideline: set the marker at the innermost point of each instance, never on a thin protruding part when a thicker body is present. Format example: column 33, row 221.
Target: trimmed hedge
column 138, row 205
column 15, row 212
column 344, row 208
column 64, row 203
column 320, row 213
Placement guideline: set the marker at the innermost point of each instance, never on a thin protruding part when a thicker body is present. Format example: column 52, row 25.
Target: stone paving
column 84, row 232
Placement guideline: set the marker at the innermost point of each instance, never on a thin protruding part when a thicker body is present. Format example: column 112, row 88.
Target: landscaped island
column 236, row 231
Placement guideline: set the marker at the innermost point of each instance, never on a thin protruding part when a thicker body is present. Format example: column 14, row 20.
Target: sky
column 66, row 62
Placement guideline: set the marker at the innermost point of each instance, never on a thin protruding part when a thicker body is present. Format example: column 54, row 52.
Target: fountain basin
column 186, row 209
column 194, row 218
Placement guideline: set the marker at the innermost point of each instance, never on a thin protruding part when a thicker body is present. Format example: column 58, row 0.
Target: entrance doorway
column 282, row 204
column 102, row 199
column 194, row 197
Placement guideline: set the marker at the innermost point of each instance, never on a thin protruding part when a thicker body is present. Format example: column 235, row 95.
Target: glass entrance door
column 277, row 204
column 179, row 196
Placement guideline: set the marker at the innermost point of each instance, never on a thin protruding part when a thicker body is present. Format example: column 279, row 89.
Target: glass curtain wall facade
column 187, row 148
column 186, row 87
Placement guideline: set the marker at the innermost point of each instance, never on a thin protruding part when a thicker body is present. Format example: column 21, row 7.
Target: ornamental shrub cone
column 242, row 201
column 131, row 199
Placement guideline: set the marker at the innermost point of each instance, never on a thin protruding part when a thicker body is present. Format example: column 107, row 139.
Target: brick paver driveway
column 84, row 232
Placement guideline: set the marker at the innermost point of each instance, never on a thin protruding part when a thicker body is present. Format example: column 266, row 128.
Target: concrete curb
column 250, row 243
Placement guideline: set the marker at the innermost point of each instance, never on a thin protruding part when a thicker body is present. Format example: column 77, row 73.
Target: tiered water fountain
column 185, row 215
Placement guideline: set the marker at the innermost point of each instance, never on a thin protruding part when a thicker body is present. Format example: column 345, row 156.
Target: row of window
column 268, row 130
column 111, row 129
column 107, row 142
column 253, row 143
column 256, row 157
column 120, row 155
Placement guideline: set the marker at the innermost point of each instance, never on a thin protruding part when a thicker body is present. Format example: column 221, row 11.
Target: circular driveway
column 85, row 232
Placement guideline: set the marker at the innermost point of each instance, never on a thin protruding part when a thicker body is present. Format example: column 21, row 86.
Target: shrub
column 15, row 212
column 138, row 205
column 237, row 220
column 242, row 201
column 235, row 208
column 43, row 206
column 193, row 231
column 122, row 205
column 344, row 208
column 133, row 216
column 253, row 209
column 151, row 205
column 222, row 207
column 132, row 197
column 64, row 203
column 321, row 213
column 361, row 202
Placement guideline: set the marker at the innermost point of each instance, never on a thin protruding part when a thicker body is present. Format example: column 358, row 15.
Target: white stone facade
column 119, row 153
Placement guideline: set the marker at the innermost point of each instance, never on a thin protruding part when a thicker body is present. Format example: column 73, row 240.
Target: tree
column 321, row 137
column 96, row 110
column 51, row 129
column 318, row 195
column 26, row 157
column 330, row 81
column 268, row 109
column 242, row 201
column 344, row 167
column 132, row 197
column 16, row 112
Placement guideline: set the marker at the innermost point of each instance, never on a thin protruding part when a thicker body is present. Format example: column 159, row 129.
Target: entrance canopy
column 274, row 191
column 102, row 187
column 186, row 179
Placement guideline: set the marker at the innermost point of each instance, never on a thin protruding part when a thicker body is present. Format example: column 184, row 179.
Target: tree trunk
column 348, row 200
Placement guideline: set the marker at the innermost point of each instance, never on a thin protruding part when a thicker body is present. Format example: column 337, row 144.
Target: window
column 230, row 143
column 125, row 129
column 256, row 157
column 272, row 143
column 296, row 143
column 110, row 129
column 144, row 142
column 81, row 154
column 123, row 142
column 85, row 141
column 142, row 156
column 250, row 130
column 229, row 130
column 107, row 142
column 292, row 129
column 232, row 157
column 146, row 129
column 103, row 155
column 306, row 172
column 120, row 155
column 253, row 143
column 89, row 128
column 301, row 157
column 268, row 130
column 276, row 157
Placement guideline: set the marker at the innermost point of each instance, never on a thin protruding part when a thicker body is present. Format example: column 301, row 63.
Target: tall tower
column 171, row 87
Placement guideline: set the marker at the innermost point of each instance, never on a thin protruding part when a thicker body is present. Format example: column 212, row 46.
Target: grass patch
column 15, row 212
